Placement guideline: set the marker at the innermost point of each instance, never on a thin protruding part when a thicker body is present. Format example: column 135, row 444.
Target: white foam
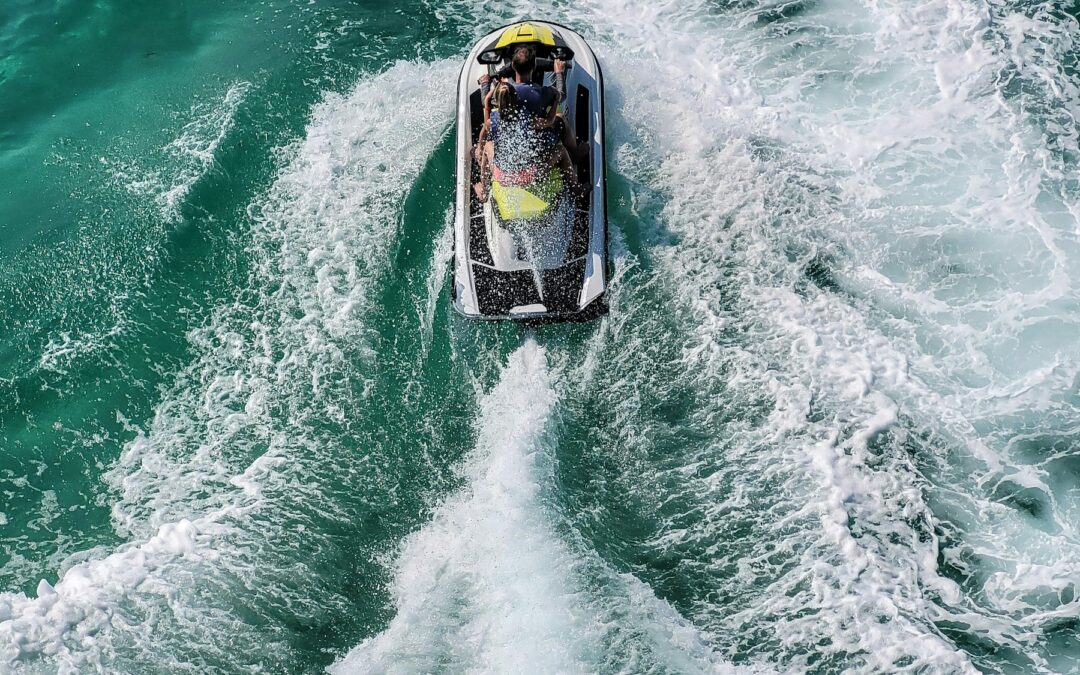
column 121, row 264
column 489, row 585
column 321, row 240
column 440, row 262
column 66, row 622
column 199, row 491
column 187, row 158
column 480, row 588
column 876, row 143
column 197, row 144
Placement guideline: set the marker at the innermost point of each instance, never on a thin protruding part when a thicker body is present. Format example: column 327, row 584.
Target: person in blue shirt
column 515, row 143
column 542, row 101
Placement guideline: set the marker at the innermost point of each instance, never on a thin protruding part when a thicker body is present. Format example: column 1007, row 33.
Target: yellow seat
column 517, row 203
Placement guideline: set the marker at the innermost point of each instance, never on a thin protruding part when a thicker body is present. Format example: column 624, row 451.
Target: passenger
column 510, row 143
column 541, row 101
column 501, row 96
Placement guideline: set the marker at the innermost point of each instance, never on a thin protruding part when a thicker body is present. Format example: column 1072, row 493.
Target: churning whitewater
column 829, row 423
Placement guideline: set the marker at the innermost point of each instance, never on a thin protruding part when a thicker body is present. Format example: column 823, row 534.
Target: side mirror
column 490, row 56
column 562, row 53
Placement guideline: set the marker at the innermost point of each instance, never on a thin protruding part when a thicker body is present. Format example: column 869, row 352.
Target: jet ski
column 534, row 248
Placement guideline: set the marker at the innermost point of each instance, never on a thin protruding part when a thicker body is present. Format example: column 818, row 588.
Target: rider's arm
column 554, row 107
column 487, row 107
column 559, row 69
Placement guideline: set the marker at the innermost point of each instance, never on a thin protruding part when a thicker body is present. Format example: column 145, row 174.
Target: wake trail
column 484, row 573
column 833, row 197
column 848, row 446
column 212, row 494
column 817, row 187
column 491, row 584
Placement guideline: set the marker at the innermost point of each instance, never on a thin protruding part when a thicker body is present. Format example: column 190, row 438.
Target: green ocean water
column 829, row 424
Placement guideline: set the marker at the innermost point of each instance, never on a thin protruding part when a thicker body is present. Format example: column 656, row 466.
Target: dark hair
column 524, row 60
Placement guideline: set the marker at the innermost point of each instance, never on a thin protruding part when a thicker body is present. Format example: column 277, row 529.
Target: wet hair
column 505, row 99
column 524, row 60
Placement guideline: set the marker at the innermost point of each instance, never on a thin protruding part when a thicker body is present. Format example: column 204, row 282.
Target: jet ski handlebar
column 496, row 56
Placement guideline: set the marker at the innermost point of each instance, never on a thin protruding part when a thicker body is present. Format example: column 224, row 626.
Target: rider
column 542, row 101
column 557, row 66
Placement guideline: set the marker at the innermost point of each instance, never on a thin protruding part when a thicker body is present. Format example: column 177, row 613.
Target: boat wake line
column 492, row 585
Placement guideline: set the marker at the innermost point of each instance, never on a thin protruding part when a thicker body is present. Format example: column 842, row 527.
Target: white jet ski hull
column 513, row 270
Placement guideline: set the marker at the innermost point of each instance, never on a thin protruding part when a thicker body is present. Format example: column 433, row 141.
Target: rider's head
column 524, row 60
column 505, row 99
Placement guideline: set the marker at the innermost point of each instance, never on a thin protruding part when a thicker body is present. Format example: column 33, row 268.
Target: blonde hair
column 505, row 99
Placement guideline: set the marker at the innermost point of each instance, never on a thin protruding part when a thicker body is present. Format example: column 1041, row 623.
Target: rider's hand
column 560, row 65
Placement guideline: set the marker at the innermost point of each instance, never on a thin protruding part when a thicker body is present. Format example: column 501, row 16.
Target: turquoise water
column 829, row 425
